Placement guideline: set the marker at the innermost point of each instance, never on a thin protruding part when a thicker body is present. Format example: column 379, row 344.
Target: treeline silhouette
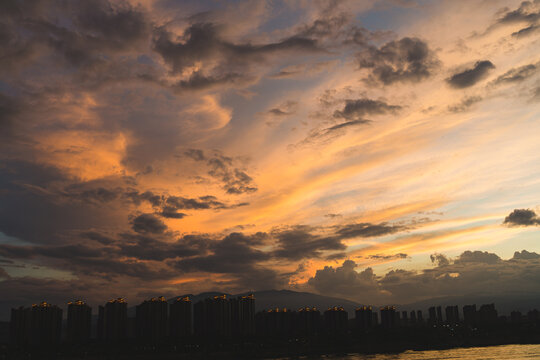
column 231, row 325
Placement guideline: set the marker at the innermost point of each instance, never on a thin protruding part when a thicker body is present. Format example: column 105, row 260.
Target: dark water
column 505, row 352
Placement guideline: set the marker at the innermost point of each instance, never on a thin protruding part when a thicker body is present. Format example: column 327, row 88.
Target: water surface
column 503, row 352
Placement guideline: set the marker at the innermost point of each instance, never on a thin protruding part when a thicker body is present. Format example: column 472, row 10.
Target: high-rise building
column 151, row 320
column 243, row 315
column 452, row 314
column 336, row 320
column 180, row 318
column 375, row 320
column 40, row 325
column 112, row 320
column 413, row 317
column 388, row 317
column 432, row 315
column 212, row 317
column 533, row 315
column 404, row 318
column 276, row 323
column 439, row 315
column 20, row 326
column 79, row 322
column 308, row 321
column 419, row 317
column 487, row 315
column 363, row 316
column 516, row 317
column 469, row 315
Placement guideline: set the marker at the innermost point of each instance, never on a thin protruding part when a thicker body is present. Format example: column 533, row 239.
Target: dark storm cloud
column 519, row 74
column 237, row 256
column 525, row 255
column 471, row 76
column 299, row 242
column 526, row 12
column 143, row 247
column 522, row 217
column 125, row 245
column 355, row 109
column 235, row 253
column 367, row 230
column 30, row 211
column 94, row 27
column 171, row 212
column 167, row 205
column 148, row 223
column 345, row 281
column 471, row 273
column 96, row 236
column 204, row 202
column 224, row 168
column 477, row 257
column 404, row 60
column 202, row 43
column 439, row 259
column 527, row 31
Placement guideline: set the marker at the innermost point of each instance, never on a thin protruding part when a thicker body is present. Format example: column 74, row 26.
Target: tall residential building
column 308, row 321
column 79, row 322
column 469, row 315
column 452, row 314
column 20, row 326
column 389, row 317
column 404, row 318
column 487, row 315
column 336, row 320
column 151, row 320
column 243, row 316
column 212, row 317
column 419, row 316
column 363, row 316
column 180, row 318
column 276, row 323
column 40, row 325
column 413, row 317
column 432, row 315
column 112, row 320
column 439, row 315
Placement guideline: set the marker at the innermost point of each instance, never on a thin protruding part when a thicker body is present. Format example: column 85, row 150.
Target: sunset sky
column 380, row 151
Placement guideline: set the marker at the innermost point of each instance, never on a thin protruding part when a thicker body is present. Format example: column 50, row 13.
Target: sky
column 379, row 151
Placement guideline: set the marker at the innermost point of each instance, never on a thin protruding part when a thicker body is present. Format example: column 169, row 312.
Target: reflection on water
column 504, row 352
